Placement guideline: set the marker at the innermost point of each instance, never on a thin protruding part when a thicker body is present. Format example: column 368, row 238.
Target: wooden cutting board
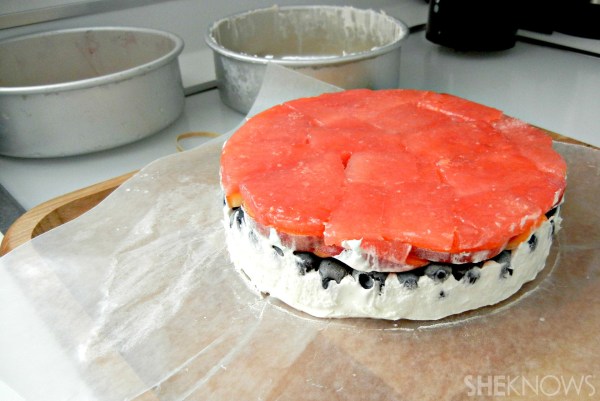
column 62, row 209
column 57, row 211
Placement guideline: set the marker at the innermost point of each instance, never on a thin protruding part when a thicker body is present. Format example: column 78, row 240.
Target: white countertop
column 555, row 89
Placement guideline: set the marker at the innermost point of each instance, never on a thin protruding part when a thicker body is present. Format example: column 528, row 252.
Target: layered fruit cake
column 393, row 204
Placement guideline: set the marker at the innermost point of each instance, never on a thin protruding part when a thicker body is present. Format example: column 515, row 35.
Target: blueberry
column 473, row 275
column 469, row 271
column 368, row 280
column 532, row 242
column 438, row 273
column 459, row 271
column 551, row 212
column 506, row 271
column 503, row 258
column 253, row 237
column 364, row 279
column 277, row 250
column 331, row 269
column 306, row 261
column 237, row 217
column 408, row 279
column 379, row 276
column 232, row 217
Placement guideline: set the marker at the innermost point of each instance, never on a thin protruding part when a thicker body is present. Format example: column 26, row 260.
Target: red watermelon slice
column 412, row 174
column 298, row 199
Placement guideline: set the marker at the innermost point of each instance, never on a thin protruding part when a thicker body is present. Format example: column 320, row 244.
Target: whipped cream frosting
column 275, row 271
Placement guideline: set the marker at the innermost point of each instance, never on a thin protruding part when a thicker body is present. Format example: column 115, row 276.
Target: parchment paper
column 137, row 299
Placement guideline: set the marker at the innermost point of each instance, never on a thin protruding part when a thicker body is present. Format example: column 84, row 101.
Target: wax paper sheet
column 137, row 300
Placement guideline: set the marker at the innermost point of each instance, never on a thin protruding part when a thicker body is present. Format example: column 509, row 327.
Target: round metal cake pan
column 343, row 46
column 76, row 91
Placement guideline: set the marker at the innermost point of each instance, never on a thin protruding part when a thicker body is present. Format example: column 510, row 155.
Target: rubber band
column 194, row 134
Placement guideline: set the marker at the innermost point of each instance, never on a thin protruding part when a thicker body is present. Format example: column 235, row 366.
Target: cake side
column 327, row 287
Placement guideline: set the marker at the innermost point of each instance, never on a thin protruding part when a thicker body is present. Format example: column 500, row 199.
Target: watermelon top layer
column 399, row 169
